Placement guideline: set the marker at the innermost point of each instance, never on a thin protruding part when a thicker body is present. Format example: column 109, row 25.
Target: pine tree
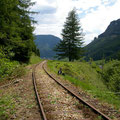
column 16, row 30
column 71, row 45
column 25, row 45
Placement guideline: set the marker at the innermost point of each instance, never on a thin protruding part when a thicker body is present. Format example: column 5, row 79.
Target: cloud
column 94, row 16
column 47, row 10
column 99, row 19
column 108, row 2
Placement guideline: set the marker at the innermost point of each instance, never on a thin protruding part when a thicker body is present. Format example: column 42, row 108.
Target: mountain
column 112, row 29
column 107, row 45
column 46, row 43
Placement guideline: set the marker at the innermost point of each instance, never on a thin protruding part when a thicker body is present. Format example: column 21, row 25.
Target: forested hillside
column 107, row 45
column 46, row 44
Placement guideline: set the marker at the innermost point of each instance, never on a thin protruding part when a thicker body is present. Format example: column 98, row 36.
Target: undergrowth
column 13, row 69
column 10, row 69
column 111, row 75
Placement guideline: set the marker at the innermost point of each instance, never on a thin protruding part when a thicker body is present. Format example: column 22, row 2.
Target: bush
column 112, row 76
column 7, row 67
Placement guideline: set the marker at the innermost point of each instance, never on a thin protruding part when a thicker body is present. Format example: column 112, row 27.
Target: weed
column 99, row 118
column 53, row 102
column 49, row 96
column 76, row 103
column 30, row 106
column 6, row 105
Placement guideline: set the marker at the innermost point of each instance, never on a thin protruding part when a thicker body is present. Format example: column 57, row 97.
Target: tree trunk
column 70, row 59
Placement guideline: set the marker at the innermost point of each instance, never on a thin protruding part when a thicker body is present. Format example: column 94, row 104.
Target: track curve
column 75, row 95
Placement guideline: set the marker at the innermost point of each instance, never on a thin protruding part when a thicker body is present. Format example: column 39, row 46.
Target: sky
column 94, row 16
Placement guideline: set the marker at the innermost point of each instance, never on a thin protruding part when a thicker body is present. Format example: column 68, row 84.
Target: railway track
column 42, row 113
column 96, row 111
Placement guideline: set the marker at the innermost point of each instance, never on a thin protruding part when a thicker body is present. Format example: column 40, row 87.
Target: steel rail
column 78, row 97
column 42, row 113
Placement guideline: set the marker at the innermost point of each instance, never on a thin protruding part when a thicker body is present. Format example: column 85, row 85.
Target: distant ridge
column 46, row 43
column 107, row 45
column 112, row 29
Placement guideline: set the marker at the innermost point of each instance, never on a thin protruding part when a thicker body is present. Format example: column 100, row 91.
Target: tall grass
column 86, row 76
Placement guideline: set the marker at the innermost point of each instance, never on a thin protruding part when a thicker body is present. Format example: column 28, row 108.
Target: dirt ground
column 23, row 97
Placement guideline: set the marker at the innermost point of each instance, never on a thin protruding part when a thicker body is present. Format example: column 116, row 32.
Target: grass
column 86, row 76
column 6, row 107
column 34, row 59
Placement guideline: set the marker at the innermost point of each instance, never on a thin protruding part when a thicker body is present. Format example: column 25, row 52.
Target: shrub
column 112, row 77
column 6, row 66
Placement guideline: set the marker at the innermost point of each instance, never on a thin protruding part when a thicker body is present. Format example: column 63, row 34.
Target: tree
column 71, row 45
column 16, row 30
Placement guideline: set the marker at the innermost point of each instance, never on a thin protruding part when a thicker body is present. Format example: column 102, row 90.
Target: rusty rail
column 42, row 113
column 78, row 97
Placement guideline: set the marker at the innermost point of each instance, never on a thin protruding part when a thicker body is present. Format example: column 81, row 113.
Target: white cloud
column 97, row 21
column 95, row 15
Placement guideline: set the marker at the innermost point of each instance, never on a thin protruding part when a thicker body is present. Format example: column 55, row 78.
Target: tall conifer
column 71, row 45
column 16, row 30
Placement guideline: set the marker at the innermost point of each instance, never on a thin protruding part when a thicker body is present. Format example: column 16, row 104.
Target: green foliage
column 9, row 68
column 16, row 29
column 2, row 54
column 112, row 75
column 87, row 77
column 6, row 67
column 71, row 45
